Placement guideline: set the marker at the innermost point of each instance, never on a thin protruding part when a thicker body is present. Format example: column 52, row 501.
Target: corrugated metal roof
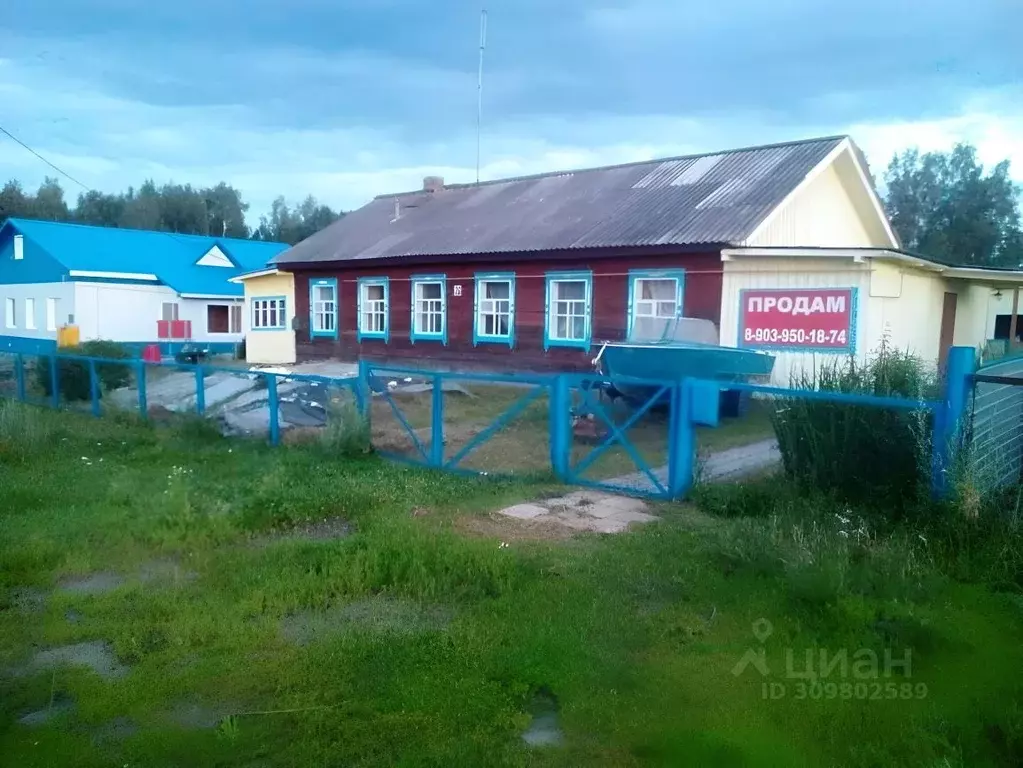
column 712, row 198
column 170, row 256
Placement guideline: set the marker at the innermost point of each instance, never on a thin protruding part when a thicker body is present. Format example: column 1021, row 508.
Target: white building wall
column 129, row 312
column 120, row 312
column 40, row 292
column 761, row 272
column 196, row 311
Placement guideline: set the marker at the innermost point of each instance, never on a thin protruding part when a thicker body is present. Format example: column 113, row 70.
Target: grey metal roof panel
column 717, row 197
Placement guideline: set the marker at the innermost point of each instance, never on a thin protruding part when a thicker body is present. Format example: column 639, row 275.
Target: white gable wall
column 215, row 257
column 832, row 210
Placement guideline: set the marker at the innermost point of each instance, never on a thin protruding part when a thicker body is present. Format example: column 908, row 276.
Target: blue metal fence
column 562, row 424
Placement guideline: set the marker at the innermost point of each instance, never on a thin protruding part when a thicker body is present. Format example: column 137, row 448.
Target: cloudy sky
column 351, row 98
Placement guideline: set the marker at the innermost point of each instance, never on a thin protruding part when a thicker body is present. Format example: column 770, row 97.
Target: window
column 169, row 312
column 323, row 307
column 51, row 314
column 9, row 313
column 373, row 308
column 30, row 314
column 429, row 308
column 217, row 318
column 269, row 314
column 236, row 318
column 495, row 309
column 655, row 302
column 569, row 299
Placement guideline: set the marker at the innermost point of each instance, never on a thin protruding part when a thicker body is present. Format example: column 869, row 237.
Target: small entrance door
column 948, row 326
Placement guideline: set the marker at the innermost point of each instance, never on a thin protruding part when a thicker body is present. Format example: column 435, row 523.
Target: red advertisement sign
column 798, row 319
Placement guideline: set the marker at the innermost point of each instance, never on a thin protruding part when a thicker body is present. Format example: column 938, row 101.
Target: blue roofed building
column 126, row 285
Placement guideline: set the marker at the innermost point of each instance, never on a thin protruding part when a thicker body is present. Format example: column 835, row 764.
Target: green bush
column 860, row 453
column 73, row 375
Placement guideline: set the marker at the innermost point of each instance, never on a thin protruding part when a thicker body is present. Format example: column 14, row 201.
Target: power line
column 61, row 171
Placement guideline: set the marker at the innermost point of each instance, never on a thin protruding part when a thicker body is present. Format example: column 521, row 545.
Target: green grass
column 431, row 644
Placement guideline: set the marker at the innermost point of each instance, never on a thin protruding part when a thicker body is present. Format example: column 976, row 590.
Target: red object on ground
column 151, row 354
column 798, row 319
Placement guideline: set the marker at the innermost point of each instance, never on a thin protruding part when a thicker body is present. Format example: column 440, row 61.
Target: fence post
column 681, row 440
column 560, row 426
column 19, row 375
column 275, row 404
column 200, row 391
column 949, row 423
column 93, row 387
column 437, row 422
column 143, row 406
column 54, row 382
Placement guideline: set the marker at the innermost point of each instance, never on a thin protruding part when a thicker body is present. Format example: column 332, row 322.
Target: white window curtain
column 569, row 310
column 374, row 308
column 495, row 308
column 324, row 309
column 429, row 309
column 654, row 308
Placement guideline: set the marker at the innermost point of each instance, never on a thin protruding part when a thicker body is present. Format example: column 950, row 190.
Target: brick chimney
column 433, row 183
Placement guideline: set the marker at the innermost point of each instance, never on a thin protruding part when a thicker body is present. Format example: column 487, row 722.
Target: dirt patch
column 96, row 655
column 544, row 730
column 375, row 614
column 99, row 583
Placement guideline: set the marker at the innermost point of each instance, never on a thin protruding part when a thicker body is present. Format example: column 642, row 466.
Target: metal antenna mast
column 479, row 103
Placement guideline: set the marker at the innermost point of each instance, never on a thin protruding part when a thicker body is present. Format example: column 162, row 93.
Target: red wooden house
column 531, row 273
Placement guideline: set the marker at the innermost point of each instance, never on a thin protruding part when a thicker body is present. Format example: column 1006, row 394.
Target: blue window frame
column 494, row 309
column 374, row 308
column 655, row 301
column 269, row 313
column 568, row 310
column 429, row 308
column 323, row 312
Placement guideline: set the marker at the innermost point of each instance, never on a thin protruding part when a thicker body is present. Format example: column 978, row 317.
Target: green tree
column 14, row 203
column 99, row 209
column 225, row 211
column 943, row 205
column 287, row 225
column 49, row 202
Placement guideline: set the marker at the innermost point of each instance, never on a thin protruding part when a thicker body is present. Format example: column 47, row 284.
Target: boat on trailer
column 687, row 347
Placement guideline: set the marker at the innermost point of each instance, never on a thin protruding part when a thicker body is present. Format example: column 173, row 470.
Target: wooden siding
column 610, row 305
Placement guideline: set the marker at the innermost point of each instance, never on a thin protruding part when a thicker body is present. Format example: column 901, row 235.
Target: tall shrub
column 861, row 453
column 73, row 375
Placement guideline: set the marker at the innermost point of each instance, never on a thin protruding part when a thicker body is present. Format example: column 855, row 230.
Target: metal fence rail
column 996, row 439
column 570, row 426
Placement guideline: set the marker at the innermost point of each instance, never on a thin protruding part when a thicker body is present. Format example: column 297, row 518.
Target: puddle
column 118, row 729
column 544, row 730
column 72, row 616
column 328, row 529
column 96, row 655
column 61, row 705
column 167, row 572
column 196, row 716
column 377, row 614
column 91, row 584
column 24, row 600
